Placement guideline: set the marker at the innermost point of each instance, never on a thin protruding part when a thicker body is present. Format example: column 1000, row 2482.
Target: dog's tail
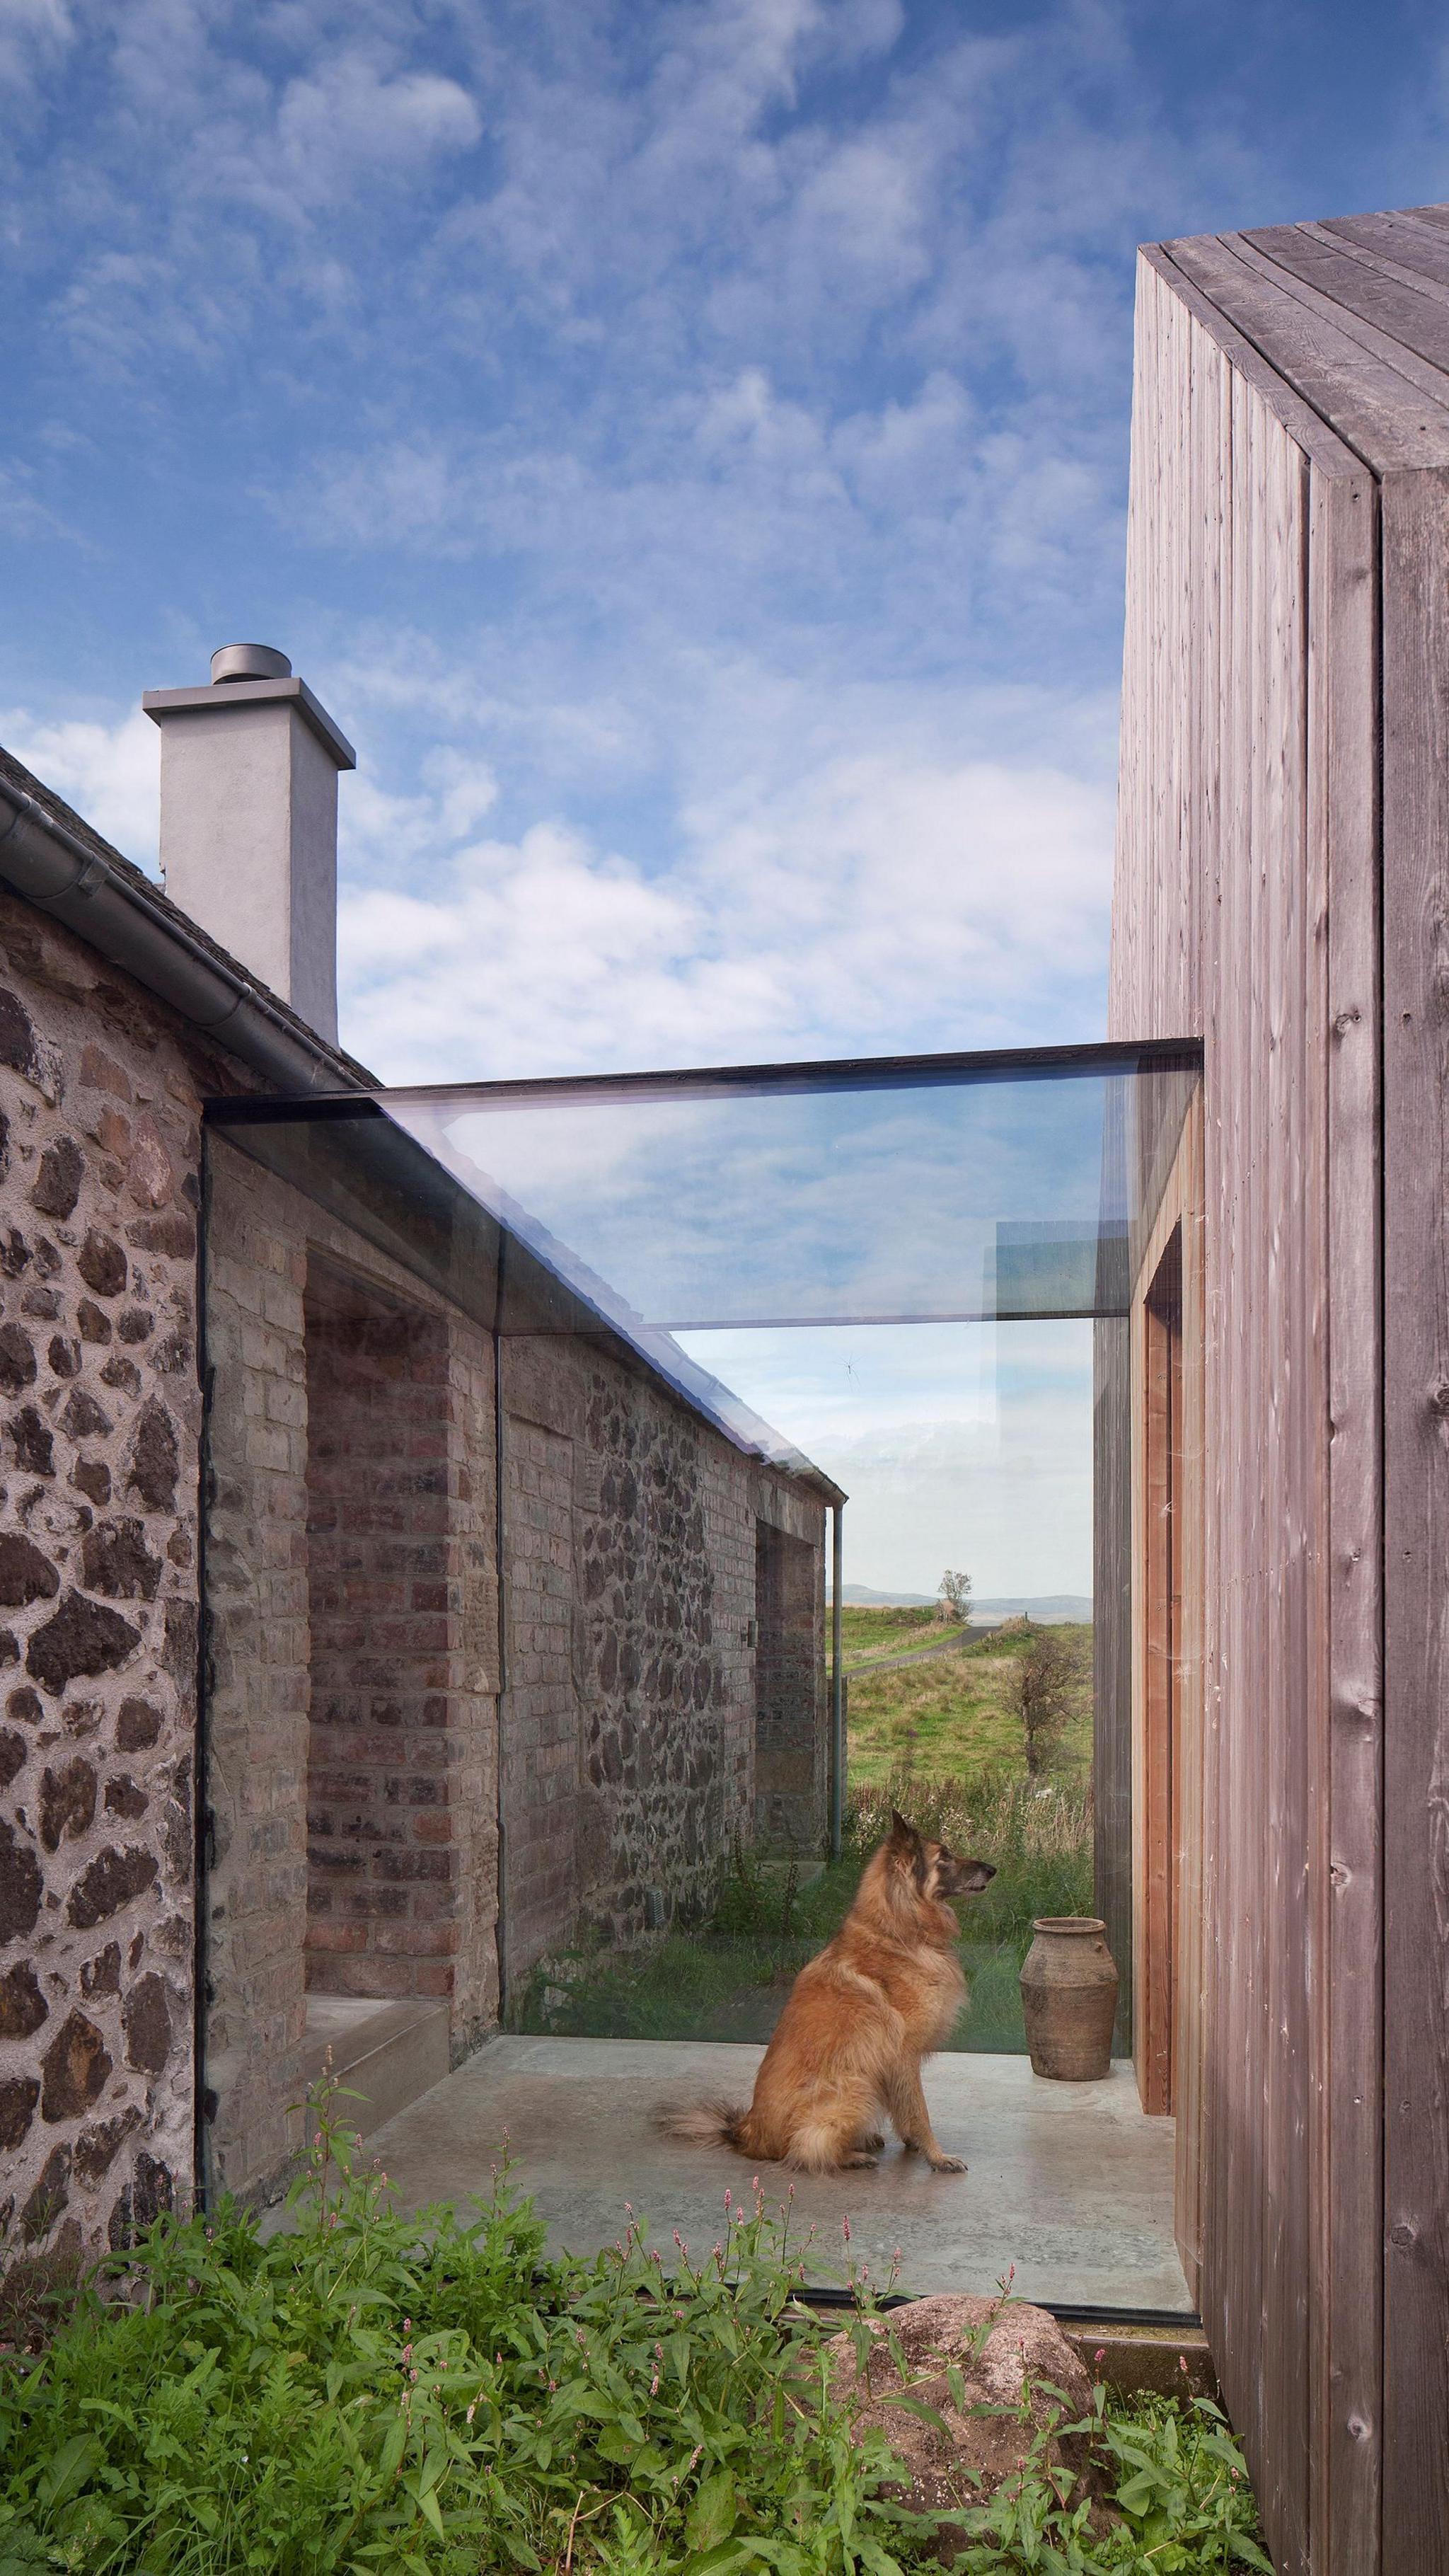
column 705, row 2124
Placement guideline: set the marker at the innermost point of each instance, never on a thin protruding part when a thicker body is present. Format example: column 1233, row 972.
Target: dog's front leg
column 907, row 2105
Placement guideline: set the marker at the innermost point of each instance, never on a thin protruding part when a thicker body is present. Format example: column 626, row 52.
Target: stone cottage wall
column 631, row 1714
column 393, row 1889
column 791, row 1724
column 99, row 1424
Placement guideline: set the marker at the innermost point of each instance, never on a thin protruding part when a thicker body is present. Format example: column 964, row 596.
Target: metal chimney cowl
column 249, row 821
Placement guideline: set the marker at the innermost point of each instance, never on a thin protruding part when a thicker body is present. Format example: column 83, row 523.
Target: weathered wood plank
column 1306, row 427
column 1294, row 1486
column 1387, row 247
column 1389, row 422
column 1416, row 1462
column 1231, row 2256
column 1406, row 231
column 1221, row 770
column 1343, row 835
column 1248, row 1436
column 1405, row 321
column 1187, row 2190
column 1437, row 216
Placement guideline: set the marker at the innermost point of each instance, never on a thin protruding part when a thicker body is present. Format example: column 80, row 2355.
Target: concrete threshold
column 1069, row 2189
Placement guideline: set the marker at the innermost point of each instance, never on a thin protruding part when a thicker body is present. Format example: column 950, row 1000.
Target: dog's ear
column 903, row 1833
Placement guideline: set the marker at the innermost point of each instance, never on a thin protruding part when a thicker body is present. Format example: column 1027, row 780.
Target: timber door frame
column 1168, row 1858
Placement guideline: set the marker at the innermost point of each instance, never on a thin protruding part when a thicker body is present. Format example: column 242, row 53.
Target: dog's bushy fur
column 858, row 2021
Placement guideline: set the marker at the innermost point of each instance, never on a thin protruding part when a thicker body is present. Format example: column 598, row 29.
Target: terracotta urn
column 1069, row 1998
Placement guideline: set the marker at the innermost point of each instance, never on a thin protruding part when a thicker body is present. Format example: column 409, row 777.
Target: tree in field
column 955, row 1596
column 1045, row 1687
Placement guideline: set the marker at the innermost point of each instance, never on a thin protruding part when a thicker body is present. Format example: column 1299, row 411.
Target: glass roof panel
column 673, row 1209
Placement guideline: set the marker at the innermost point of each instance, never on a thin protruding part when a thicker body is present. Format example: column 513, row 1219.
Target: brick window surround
column 382, row 1594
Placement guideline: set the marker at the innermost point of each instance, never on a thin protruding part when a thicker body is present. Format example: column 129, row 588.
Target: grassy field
column 866, row 1632
column 941, row 1739
column 951, row 1714
column 730, row 1980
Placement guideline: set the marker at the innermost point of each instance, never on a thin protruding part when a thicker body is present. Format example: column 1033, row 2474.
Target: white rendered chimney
column 249, row 821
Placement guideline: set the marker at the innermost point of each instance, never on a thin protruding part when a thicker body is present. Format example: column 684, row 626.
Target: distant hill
column 863, row 1596
column 1045, row 1606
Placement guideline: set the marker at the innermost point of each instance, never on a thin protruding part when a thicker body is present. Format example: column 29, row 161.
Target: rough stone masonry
column 100, row 1412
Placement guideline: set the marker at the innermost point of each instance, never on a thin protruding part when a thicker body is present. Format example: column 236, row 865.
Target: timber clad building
column 1283, row 892
column 513, row 1621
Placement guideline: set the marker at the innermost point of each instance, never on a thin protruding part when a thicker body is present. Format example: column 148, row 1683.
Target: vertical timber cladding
column 1244, row 912
column 1416, row 1466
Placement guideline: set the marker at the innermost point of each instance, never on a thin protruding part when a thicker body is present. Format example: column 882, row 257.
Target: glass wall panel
column 625, row 1495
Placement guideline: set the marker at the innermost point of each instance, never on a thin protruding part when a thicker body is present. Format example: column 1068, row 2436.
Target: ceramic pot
column 1069, row 1998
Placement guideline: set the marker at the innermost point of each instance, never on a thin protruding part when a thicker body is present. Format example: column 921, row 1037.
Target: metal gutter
column 42, row 860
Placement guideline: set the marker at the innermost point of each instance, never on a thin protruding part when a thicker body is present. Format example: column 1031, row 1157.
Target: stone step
column 384, row 2054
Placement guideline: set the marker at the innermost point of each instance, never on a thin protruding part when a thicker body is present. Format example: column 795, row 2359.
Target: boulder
column 999, row 2354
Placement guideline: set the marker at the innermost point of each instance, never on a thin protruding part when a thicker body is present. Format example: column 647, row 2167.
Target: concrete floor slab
column 1071, row 2183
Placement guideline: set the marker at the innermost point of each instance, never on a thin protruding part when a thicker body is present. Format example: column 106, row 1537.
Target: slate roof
column 350, row 1074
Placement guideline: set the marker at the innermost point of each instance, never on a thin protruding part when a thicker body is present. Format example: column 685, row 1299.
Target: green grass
column 730, row 1980
column 373, row 2395
column 953, row 1714
column 865, row 1631
column 940, row 1740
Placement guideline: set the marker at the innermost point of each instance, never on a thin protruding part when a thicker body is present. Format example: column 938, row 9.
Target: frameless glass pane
column 906, row 1202
column 538, row 1415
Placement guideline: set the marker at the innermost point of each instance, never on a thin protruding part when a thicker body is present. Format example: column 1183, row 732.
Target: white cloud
column 110, row 773
column 966, row 1445
column 346, row 124
column 878, row 900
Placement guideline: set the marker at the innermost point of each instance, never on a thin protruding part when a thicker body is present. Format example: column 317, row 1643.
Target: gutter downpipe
column 54, row 870
column 837, row 1684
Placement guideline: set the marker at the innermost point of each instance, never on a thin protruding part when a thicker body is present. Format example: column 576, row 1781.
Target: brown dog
column 859, row 2019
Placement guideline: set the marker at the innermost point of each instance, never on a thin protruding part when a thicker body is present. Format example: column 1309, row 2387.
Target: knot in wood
column 1439, row 1397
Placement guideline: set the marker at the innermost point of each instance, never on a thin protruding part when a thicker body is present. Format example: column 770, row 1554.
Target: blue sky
column 685, row 445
